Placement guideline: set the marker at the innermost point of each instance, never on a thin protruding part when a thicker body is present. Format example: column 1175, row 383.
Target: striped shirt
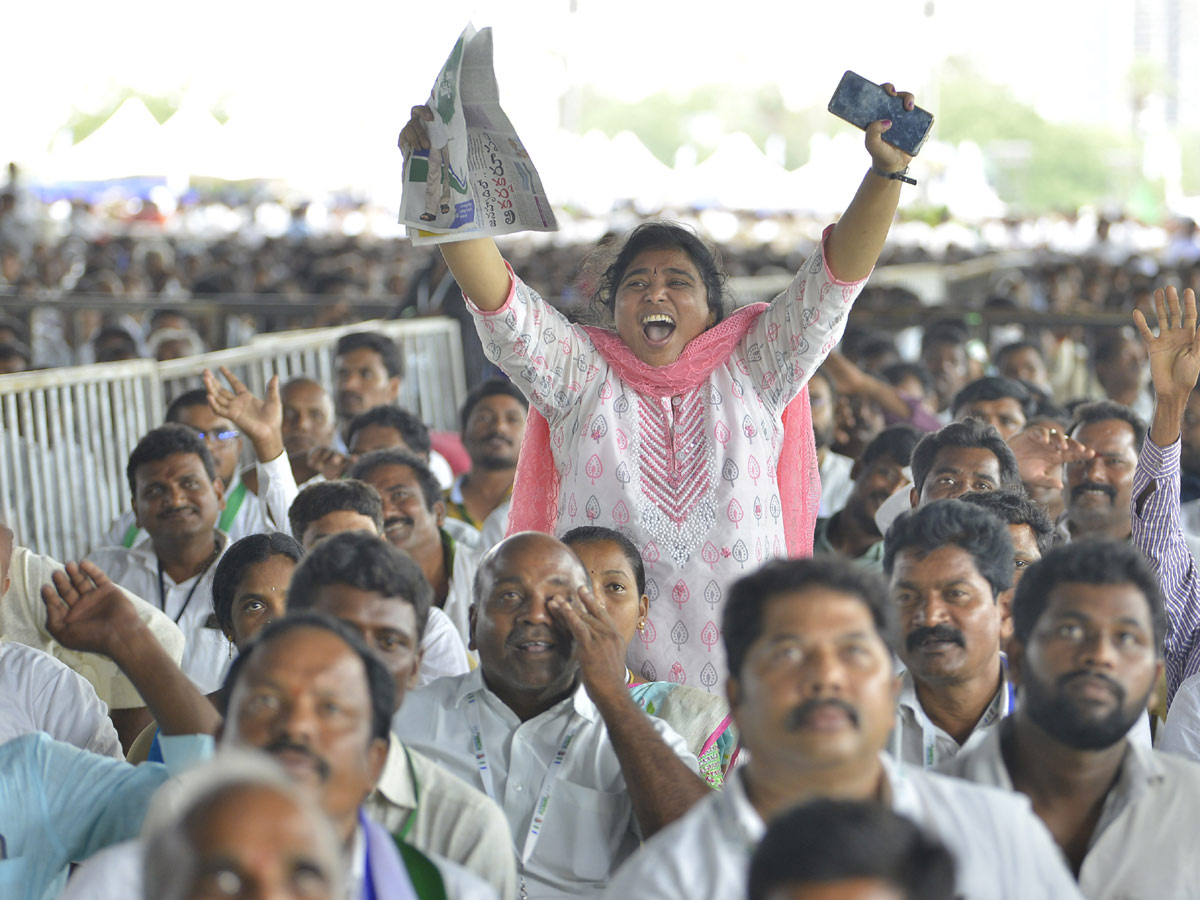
column 1158, row 534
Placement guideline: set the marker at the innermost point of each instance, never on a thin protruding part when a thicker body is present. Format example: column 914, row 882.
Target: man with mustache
column 812, row 688
column 308, row 424
column 493, row 426
column 368, row 370
column 546, row 725
column 308, row 693
column 414, row 516
column 950, row 566
column 1097, row 491
column 177, row 498
column 1088, row 623
column 851, row 532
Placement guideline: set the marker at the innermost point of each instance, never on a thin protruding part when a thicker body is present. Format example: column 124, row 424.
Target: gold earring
column 642, row 625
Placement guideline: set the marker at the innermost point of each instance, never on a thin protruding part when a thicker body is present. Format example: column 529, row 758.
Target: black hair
column 968, row 433
column 14, row 350
column 1017, row 347
column 954, row 523
column 995, row 387
column 944, row 331
column 746, row 599
column 115, row 331
column 1109, row 342
column 1086, row 562
column 411, row 429
column 379, row 680
column 586, row 534
column 389, row 352
column 1102, row 410
column 431, row 490
column 241, row 555
column 896, row 441
column 825, row 841
column 490, row 387
column 897, row 372
column 362, row 561
column 664, row 236
column 1016, row 509
column 186, row 400
column 167, row 440
column 319, row 500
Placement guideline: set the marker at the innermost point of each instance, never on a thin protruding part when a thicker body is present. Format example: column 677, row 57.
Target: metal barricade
column 66, row 434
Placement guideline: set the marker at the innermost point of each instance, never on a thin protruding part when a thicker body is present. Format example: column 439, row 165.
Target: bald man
column 546, row 725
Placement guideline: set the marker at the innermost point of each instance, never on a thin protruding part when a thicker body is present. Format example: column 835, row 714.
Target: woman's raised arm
column 857, row 239
column 476, row 264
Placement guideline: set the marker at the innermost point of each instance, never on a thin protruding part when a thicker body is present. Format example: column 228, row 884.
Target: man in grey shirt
column 1086, row 652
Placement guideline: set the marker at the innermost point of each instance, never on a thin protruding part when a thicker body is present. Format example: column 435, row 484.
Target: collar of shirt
column 356, row 871
column 578, row 702
column 396, row 782
column 738, row 816
column 910, row 714
column 145, row 556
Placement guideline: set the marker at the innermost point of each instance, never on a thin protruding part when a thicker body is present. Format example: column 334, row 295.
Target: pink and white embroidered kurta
column 691, row 479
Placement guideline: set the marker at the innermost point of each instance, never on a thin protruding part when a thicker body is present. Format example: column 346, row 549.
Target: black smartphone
column 861, row 102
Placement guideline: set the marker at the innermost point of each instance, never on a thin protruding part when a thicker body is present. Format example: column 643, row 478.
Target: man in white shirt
column 546, row 726
column 177, row 499
column 334, row 507
column 414, row 516
column 383, row 594
column 23, row 620
column 1087, row 650
column 38, row 693
column 813, row 692
column 246, row 511
column 950, row 566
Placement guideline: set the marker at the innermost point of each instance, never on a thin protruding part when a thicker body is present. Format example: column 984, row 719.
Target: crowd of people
column 699, row 601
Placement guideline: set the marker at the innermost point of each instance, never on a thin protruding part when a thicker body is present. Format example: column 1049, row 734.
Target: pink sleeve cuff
column 512, row 292
column 828, row 271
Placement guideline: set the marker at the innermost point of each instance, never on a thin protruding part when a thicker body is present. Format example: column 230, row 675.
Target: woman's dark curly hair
column 652, row 236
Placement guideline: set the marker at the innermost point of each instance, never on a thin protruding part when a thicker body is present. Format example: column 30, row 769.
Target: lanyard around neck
column 162, row 588
column 552, row 772
column 994, row 712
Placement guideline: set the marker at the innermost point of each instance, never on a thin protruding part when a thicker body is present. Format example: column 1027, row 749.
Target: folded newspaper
column 476, row 180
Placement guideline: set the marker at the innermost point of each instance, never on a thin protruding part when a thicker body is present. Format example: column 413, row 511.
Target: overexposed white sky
column 361, row 63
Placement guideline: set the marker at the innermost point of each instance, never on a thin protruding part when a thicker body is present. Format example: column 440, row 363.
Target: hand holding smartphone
column 861, row 102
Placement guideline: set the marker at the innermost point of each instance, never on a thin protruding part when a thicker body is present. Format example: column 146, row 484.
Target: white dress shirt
column 916, row 740
column 459, row 596
column 1002, row 850
column 189, row 604
column 589, row 826
column 445, row 652
column 836, row 483
column 23, row 619
column 39, row 693
column 1144, row 843
column 258, row 514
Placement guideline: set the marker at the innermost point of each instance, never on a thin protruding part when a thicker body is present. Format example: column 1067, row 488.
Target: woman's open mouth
column 657, row 328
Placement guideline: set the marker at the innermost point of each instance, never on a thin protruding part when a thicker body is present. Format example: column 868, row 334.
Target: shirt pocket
column 584, row 830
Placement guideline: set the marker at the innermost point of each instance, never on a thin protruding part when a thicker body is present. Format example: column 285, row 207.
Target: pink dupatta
column 536, row 487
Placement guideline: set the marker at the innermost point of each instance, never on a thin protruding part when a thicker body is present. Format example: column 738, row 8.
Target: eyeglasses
column 218, row 437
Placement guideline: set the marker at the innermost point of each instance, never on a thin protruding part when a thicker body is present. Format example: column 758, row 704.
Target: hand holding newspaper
column 475, row 179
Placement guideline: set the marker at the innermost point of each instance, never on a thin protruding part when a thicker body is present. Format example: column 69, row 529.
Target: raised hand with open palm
column 1174, row 360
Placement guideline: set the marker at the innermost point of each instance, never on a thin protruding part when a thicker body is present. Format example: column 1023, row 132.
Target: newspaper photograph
column 476, row 179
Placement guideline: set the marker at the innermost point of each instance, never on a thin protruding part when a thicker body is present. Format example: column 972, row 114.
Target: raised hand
column 260, row 420
column 884, row 156
column 599, row 646
column 1175, row 352
column 1042, row 451
column 87, row 611
column 328, row 462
